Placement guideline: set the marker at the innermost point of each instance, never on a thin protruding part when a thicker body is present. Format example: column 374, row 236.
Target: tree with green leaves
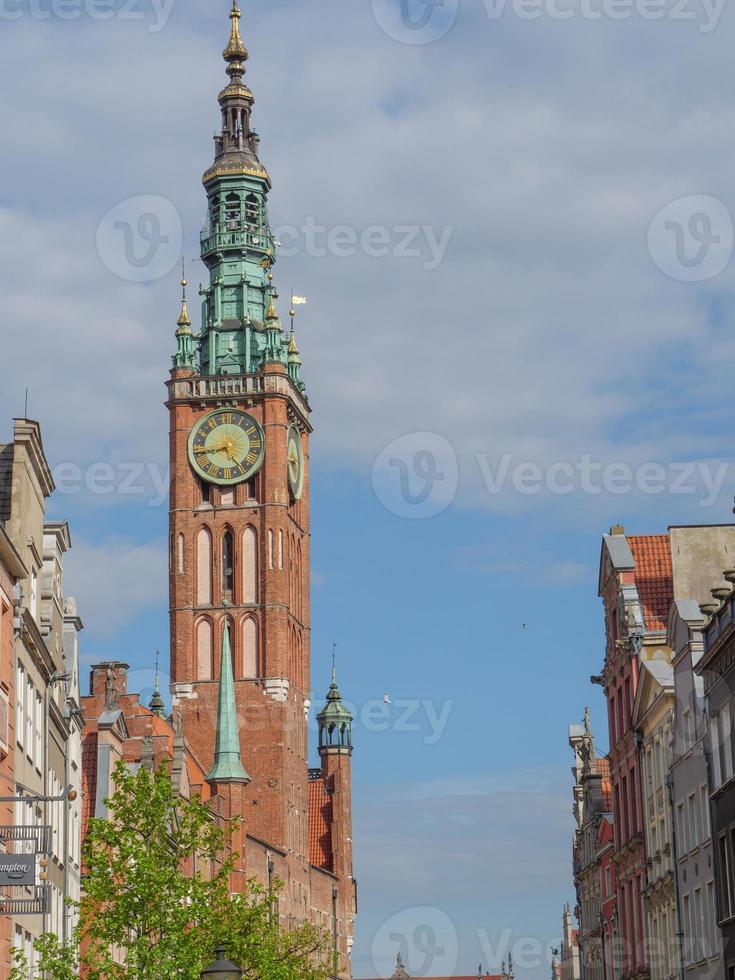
column 157, row 899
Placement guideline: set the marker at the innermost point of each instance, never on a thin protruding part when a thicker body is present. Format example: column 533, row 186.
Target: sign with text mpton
column 17, row 869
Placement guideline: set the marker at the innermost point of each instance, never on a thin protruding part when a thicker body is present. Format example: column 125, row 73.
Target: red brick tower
column 239, row 501
column 239, row 555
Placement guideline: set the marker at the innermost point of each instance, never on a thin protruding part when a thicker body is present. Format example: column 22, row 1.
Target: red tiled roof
column 653, row 577
column 320, row 825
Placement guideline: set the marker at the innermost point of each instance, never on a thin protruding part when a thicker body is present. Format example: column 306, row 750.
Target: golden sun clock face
column 295, row 463
column 227, row 447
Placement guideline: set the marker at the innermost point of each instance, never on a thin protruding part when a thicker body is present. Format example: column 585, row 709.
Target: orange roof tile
column 320, row 825
column 653, row 577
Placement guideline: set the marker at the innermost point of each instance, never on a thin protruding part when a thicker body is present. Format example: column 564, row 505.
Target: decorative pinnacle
column 235, row 52
column 271, row 312
column 157, row 705
column 184, row 322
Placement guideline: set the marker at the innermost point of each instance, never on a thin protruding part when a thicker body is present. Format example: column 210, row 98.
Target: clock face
column 295, row 463
column 227, row 447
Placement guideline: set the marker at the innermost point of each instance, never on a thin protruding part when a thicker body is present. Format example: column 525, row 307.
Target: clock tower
column 239, row 500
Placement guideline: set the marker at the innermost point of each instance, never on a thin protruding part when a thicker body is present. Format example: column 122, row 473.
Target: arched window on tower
column 205, row 645
column 228, row 566
column 252, row 212
column 249, row 566
column 231, row 633
column 232, row 209
column 250, row 648
column 204, row 567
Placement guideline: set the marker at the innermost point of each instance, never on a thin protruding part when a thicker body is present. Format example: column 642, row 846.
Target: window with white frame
column 725, row 729
column 34, row 594
column 30, row 709
column 682, row 828
column 714, row 739
column 20, row 701
column 38, row 734
column 704, row 802
column 725, row 859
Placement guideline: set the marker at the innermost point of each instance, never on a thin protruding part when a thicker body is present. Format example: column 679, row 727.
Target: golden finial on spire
column 271, row 312
column 235, row 50
column 184, row 322
column 293, row 347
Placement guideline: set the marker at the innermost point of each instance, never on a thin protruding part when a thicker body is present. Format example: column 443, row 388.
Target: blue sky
column 546, row 321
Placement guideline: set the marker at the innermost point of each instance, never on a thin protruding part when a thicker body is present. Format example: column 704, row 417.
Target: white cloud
column 115, row 581
column 535, row 333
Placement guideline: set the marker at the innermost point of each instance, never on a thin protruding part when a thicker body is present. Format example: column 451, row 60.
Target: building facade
column 653, row 720
column 608, row 899
column 701, row 946
column 569, row 961
column 717, row 668
column 12, row 572
column 591, row 802
column 635, row 586
column 47, row 728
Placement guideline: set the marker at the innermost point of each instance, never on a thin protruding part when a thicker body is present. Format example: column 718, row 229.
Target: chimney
column 99, row 673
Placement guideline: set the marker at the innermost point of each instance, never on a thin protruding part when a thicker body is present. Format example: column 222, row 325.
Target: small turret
column 274, row 352
column 156, row 704
column 185, row 356
column 335, row 722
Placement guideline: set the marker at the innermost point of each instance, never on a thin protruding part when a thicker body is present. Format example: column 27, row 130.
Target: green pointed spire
column 156, row 705
column 228, row 767
column 185, row 356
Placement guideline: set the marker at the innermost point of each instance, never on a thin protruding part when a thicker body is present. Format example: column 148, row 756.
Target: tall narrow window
column 250, row 648
column 233, row 212
column 251, row 211
column 205, row 645
column 20, row 704
column 204, row 568
column 249, row 566
column 270, row 547
column 34, row 593
column 228, row 565
column 180, row 554
column 280, row 550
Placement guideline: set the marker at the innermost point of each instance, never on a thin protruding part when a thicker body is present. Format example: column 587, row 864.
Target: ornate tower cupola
column 237, row 245
column 335, row 722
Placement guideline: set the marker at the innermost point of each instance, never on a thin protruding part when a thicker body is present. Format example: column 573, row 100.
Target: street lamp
column 222, row 969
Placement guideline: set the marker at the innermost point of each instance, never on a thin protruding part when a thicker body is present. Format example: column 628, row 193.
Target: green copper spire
column 228, row 767
column 335, row 721
column 156, row 705
column 185, row 356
